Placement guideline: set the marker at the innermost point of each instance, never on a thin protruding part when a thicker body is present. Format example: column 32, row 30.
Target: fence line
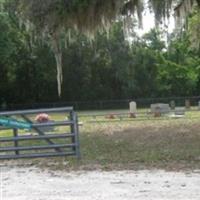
column 104, row 104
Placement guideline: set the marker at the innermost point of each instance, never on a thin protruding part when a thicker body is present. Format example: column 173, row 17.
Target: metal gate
column 59, row 137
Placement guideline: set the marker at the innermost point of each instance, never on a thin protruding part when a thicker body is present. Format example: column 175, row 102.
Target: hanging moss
column 48, row 18
column 53, row 17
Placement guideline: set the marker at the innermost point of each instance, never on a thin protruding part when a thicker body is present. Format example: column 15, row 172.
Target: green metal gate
column 23, row 137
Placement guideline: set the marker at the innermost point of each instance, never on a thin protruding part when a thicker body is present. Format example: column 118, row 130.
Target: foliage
column 53, row 19
column 194, row 27
column 106, row 68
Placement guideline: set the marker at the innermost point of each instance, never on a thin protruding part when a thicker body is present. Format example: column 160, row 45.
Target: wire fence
column 118, row 110
column 106, row 104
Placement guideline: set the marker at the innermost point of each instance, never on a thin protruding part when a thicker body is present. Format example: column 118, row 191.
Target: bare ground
column 22, row 183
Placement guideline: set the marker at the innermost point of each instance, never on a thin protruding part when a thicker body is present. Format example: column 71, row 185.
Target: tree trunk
column 57, row 50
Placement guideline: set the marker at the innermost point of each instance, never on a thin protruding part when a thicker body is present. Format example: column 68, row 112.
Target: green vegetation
column 140, row 144
column 104, row 68
column 109, row 68
column 131, row 144
column 37, row 35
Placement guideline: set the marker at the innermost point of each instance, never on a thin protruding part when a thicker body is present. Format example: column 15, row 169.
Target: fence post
column 76, row 104
column 15, row 134
column 74, row 131
column 76, row 127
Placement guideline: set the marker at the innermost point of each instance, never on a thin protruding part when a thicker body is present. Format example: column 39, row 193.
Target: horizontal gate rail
column 38, row 155
column 36, row 111
column 36, row 137
column 61, row 123
column 58, row 143
column 27, row 148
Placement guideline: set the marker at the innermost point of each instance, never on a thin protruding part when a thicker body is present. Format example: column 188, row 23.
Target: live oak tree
column 54, row 20
column 108, row 68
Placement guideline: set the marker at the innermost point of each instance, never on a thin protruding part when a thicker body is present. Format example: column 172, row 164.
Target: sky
column 148, row 23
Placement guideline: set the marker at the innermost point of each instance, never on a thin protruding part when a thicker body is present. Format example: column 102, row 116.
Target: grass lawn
column 142, row 144
column 168, row 143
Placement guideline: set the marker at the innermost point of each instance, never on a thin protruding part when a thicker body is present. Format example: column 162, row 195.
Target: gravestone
column 172, row 104
column 199, row 105
column 48, row 128
column 133, row 109
column 179, row 111
column 157, row 111
column 161, row 108
column 187, row 104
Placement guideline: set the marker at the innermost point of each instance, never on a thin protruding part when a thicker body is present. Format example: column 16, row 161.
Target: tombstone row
column 161, row 108
column 187, row 104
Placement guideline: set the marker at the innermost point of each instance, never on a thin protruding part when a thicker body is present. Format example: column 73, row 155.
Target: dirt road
column 30, row 183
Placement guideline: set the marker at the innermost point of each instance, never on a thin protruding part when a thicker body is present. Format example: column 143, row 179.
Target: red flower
column 43, row 117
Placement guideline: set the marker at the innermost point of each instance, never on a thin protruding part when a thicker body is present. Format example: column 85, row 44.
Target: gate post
column 75, row 132
column 77, row 136
column 15, row 134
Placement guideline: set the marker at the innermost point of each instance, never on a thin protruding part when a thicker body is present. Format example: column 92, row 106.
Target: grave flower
column 42, row 117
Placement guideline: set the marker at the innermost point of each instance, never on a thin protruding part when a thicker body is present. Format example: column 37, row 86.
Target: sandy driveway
column 35, row 184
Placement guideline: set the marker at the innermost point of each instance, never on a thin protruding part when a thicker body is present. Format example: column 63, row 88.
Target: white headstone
column 133, row 107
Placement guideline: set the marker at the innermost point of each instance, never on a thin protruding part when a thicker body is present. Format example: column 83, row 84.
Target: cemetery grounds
column 143, row 157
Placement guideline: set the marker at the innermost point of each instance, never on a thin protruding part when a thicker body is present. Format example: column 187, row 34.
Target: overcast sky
column 148, row 23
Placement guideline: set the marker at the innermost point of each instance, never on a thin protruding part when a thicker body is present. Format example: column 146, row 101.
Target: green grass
column 147, row 144
column 132, row 144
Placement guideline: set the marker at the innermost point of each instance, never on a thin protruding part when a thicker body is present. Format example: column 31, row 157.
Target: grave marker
column 172, row 104
column 180, row 111
column 187, row 104
column 133, row 109
column 162, row 108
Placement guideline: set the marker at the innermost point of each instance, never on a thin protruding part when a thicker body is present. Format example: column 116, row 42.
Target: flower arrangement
column 42, row 117
column 110, row 116
column 132, row 115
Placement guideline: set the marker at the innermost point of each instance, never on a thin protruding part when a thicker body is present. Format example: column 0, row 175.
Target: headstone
column 187, row 104
column 179, row 111
column 48, row 128
column 162, row 108
column 172, row 104
column 157, row 112
column 133, row 107
column 199, row 105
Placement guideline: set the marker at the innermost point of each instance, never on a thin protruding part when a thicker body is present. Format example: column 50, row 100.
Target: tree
column 153, row 40
column 56, row 18
column 178, row 68
column 106, row 68
column 194, row 27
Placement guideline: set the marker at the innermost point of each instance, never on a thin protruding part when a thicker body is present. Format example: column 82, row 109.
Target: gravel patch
column 19, row 183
